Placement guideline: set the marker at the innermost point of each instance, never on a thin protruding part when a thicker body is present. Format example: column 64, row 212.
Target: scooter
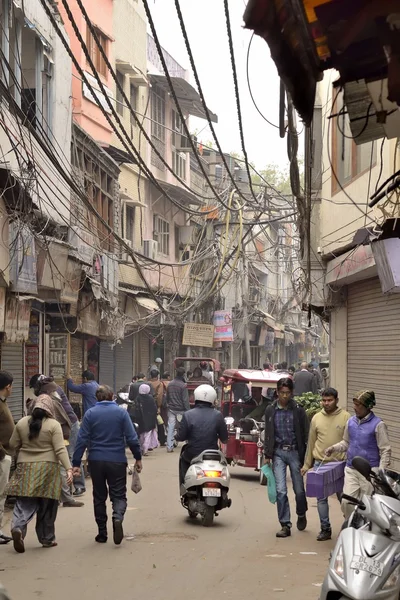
column 206, row 486
column 365, row 563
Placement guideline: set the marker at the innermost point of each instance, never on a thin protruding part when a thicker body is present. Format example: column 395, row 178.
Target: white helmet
column 205, row 393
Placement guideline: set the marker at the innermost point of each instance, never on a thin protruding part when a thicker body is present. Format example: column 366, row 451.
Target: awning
column 187, row 96
column 119, row 156
column 279, row 332
column 180, row 194
column 269, row 319
column 147, row 303
column 125, row 67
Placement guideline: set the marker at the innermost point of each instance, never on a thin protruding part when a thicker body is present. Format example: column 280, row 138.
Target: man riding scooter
column 202, row 427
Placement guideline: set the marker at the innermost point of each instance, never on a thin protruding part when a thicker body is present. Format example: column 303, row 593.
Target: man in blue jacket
column 105, row 430
column 87, row 388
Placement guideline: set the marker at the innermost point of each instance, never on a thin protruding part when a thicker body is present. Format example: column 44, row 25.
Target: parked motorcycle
column 206, row 485
column 365, row 563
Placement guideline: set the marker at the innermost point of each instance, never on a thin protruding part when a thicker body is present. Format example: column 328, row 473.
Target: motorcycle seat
column 209, row 455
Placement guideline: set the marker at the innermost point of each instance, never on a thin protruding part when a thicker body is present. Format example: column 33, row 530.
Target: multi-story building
column 35, row 133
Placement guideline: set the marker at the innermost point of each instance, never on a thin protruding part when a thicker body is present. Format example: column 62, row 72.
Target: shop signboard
column 198, row 334
column 223, row 327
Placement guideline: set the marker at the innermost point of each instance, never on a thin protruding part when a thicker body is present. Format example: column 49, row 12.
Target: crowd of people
column 50, row 444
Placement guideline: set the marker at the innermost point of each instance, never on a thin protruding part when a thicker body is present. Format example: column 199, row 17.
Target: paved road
column 170, row 556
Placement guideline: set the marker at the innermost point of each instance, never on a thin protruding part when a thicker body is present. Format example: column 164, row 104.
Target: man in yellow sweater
column 327, row 428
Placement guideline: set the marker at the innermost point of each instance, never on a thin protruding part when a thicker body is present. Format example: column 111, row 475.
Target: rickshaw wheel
column 207, row 517
column 263, row 479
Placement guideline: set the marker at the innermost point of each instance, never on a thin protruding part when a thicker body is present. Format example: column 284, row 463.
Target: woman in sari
column 39, row 443
column 145, row 415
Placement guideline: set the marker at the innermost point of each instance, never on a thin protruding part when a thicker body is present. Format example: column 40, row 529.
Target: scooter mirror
column 362, row 466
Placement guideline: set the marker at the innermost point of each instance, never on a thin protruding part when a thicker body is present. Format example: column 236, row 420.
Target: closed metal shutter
column 373, row 346
column 124, row 363
column 106, row 367
column 144, row 352
column 12, row 360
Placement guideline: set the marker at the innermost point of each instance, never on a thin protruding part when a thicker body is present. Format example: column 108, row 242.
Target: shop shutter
column 144, row 352
column 106, row 367
column 124, row 363
column 12, row 360
column 373, row 350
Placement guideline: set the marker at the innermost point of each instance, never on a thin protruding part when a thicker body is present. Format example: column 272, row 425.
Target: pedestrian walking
column 134, row 387
column 327, row 428
column 177, row 404
column 145, row 415
column 159, row 392
column 38, row 382
column 286, row 435
column 87, row 389
column 46, row 385
column 105, row 431
column 304, row 381
column 365, row 435
column 39, row 443
column 6, row 430
column 317, row 374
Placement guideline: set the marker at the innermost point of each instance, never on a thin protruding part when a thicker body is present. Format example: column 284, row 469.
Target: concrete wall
column 338, row 352
column 49, row 191
column 87, row 114
column 340, row 218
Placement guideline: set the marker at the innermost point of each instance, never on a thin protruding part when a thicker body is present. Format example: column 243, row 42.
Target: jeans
column 45, row 510
column 283, row 459
column 79, row 482
column 172, row 421
column 113, row 475
column 323, row 507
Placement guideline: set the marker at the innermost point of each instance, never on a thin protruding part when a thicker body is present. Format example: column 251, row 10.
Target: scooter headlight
column 338, row 565
column 394, row 522
column 393, row 579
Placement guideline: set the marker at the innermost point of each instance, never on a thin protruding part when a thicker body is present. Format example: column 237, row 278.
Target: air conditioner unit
column 187, row 235
column 181, row 143
column 150, row 248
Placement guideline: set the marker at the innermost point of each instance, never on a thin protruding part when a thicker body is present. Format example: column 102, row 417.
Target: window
column 177, row 248
column 179, row 163
column 177, row 129
column 99, row 188
column 158, row 113
column 94, row 50
column 133, row 100
column 161, row 234
column 130, row 223
column 349, row 160
column 119, row 97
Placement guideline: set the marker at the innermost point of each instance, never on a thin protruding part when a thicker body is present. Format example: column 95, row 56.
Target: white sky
column 206, row 27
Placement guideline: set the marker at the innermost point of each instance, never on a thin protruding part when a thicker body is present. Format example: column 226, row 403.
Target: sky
column 206, row 28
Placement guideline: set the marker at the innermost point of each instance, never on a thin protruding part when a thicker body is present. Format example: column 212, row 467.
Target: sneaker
column 284, row 532
column 118, row 531
column 79, row 492
column 73, row 504
column 170, row 449
column 324, row 535
column 101, row 538
column 301, row 522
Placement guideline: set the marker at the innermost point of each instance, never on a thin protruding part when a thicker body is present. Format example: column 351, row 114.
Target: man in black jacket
column 177, row 404
column 286, row 435
column 304, row 381
column 202, row 428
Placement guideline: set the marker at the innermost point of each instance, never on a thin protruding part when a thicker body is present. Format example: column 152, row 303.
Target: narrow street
column 170, row 556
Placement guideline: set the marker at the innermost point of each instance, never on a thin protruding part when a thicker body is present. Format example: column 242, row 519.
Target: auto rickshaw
column 192, row 383
column 240, row 395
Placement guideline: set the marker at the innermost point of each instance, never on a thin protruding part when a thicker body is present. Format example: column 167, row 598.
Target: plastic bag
column 160, row 420
column 271, row 483
column 136, row 485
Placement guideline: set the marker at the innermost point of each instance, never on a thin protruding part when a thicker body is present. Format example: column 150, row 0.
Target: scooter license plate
column 364, row 563
column 216, row 492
